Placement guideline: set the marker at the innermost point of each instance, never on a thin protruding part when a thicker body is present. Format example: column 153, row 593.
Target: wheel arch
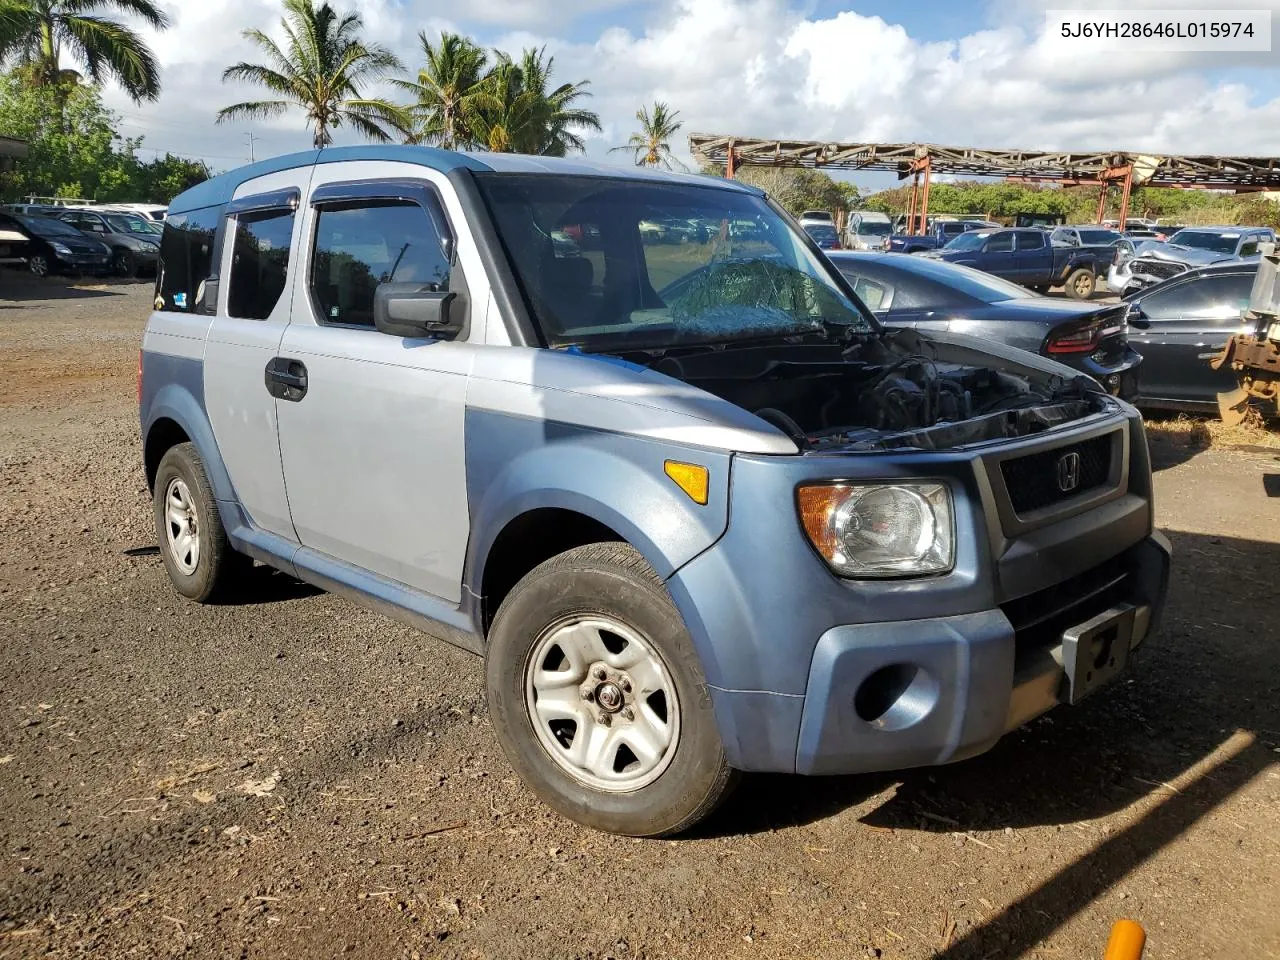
column 172, row 416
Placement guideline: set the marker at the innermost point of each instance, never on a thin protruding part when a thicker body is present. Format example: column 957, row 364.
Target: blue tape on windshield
column 607, row 358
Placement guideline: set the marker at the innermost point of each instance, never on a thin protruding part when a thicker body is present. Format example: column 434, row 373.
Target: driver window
column 1000, row 243
column 362, row 244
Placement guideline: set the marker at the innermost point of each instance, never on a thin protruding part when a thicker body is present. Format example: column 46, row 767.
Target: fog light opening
column 896, row 697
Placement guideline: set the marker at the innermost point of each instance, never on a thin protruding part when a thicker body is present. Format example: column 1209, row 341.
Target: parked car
column 134, row 243
column 926, row 294
column 1228, row 241
column 940, row 233
column 1027, row 257
column 1152, row 262
column 823, row 234
column 13, row 245
column 575, row 469
column 868, row 230
column 1101, row 239
column 1045, row 221
column 56, row 247
column 151, row 211
column 1177, row 323
column 817, row 216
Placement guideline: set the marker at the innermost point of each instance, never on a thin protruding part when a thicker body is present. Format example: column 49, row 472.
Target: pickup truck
column 696, row 509
column 1027, row 257
column 939, row 234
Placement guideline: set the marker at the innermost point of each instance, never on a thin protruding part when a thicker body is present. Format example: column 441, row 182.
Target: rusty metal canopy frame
column 1244, row 174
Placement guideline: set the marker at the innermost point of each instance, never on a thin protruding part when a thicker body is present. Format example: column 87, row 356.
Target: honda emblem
column 1068, row 472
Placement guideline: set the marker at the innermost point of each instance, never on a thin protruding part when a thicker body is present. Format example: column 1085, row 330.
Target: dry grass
column 1200, row 433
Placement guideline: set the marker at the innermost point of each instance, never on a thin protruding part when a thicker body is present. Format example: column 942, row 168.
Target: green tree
column 75, row 151
column 446, row 92
column 652, row 145
column 518, row 110
column 320, row 69
column 34, row 34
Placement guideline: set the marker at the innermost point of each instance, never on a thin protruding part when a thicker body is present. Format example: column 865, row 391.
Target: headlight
column 880, row 530
column 60, row 247
column 147, row 244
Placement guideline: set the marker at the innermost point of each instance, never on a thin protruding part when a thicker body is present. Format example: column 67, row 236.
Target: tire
column 595, row 608
column 202, row 565
column 38, row 264
column 124, row 264
column 1079, row 284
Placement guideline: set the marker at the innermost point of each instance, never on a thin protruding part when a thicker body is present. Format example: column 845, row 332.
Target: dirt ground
column 295, row 777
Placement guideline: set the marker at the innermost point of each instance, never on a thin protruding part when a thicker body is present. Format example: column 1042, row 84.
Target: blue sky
column 978, row 73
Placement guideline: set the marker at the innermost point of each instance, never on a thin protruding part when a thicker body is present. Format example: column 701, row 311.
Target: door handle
column 286, row 379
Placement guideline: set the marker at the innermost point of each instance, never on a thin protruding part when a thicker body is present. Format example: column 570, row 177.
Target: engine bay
column 895, row 391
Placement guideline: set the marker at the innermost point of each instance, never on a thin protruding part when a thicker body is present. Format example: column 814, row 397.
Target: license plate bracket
column 1096, row 651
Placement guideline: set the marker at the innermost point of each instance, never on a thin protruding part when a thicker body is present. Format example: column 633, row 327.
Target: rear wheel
column 598, row 697
column 193, row 544
column 1079, row 285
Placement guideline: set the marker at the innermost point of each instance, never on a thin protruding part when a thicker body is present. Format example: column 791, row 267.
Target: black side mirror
column 1134, row 317
column 416, row 310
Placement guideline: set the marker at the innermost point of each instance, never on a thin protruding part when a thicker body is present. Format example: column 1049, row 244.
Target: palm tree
column 557, row 117
column 652, row 147
column 504, row 112
column 446, row 93
column 35, row 34
column 517, row 113
column 320, row 67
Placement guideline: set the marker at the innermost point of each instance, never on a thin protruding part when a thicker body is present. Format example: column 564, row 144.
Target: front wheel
column 598, row 697
column 124, row 264
column 1079, row 285
column 38, row 264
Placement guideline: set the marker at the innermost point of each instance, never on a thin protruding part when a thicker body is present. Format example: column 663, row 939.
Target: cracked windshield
column 607, row 265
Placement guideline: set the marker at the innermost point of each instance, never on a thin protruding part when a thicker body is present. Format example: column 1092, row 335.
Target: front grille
column 1160, row 269
column 1040, row 618
column 1037, row 481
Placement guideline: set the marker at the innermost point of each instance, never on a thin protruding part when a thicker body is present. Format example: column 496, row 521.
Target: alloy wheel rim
column 182, row 526
column 602, row 703
column 39, row 266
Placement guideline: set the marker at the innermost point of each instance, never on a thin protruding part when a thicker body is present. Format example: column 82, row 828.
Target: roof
column 1213, row 172
column 221, row 189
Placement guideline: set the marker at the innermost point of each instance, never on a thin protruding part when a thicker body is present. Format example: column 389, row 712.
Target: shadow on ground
column 1077, row 764
column 17, row 288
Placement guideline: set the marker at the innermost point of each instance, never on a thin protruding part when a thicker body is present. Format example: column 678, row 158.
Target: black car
column 909, row 291
column 57, row 247
column 1176, row 323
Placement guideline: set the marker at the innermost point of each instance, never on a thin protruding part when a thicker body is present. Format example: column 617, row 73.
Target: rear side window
column 1031, row 240
column 186, row 258
column 362, row 244
column 259, row 263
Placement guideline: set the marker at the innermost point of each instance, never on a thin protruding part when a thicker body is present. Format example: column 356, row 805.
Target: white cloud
column 761, row 68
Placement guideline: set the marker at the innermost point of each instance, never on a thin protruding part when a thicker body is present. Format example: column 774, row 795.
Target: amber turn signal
column 691, row 478
column 816, row 506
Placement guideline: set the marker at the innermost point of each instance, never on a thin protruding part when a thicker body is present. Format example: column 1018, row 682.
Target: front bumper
column 924, row 692
column 82, row 263
column 788, row 649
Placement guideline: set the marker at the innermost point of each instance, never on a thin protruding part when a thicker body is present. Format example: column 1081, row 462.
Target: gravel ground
column 293, row 776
